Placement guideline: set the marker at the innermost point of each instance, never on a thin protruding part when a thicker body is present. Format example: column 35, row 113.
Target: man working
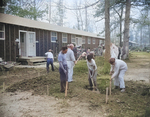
column 119, row 67
column 92, row 68
column 70, row 61
column 63, row 70
column 50, row 59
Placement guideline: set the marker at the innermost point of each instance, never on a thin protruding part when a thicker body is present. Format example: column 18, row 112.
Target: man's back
column 70, row 55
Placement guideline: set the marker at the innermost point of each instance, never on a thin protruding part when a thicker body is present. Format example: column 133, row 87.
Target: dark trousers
column 50, row 61
column 63, row 78
column 119, row 55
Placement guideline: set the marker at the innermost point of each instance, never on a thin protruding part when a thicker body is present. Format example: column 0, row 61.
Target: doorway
column 27, row 44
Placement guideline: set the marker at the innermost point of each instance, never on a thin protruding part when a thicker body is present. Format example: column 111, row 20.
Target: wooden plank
column 14, row 44
column 43, row 44
column 9, row 44
column 39, row 43
column 5, row 45
column 47, row 41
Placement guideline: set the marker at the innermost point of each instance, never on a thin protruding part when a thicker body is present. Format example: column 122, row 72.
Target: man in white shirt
column 50, row 59
column 70, row 61
column 119, row 67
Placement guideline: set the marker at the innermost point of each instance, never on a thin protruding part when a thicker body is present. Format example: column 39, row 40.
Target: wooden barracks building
column 25, row 37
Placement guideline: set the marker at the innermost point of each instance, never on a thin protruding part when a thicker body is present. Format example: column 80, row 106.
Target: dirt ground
column 26, row 90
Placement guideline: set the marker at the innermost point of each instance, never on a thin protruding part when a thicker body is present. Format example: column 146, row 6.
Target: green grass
column 135, row 102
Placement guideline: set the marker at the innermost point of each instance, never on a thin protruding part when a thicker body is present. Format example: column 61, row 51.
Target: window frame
column 73, row 38
column 83, row 40
column 93, row 41
column 3, row 31
column 64, row 38
column 89, row 39
column 53, row 36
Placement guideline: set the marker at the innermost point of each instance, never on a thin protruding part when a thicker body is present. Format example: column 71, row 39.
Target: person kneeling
column 119, row 67
column 92, row 68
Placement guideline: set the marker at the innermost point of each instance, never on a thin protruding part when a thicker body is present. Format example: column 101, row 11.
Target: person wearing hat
column 50, row 59
column 119, row 68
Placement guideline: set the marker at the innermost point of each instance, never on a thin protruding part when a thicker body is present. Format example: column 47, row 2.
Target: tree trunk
column 121, row 25
column 107, row 30
column 149, row 35
column 141, row 40
column 126, row 31
column 106, row 68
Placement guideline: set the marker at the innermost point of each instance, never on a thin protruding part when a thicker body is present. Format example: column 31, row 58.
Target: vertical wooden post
column 3, row 86
column 47, row 90
column 110, row 87
column 106, row 95
column 66, row 88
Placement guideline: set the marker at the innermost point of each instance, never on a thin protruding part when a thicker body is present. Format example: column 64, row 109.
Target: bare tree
column 126, row 30
column 107, row 36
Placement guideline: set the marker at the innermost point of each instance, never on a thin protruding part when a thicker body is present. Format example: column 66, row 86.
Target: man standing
column 50, row 59
column 63, row 70
column 70, row 61
column 119, row 68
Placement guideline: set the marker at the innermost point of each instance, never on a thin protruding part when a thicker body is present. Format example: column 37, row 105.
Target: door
column 31, row 44
column 22, row 43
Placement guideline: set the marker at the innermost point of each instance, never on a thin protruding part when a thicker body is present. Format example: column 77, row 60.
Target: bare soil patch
column 26, row 94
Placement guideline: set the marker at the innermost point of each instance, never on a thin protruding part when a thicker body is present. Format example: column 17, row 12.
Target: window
column 53, row 36
column 73, row 40
column 22, row 37
column 31, row 36
column 2, row 32
column 64, row 38
column 83, row 41
column 93, row 41
column 89, row 40
column 100, row 42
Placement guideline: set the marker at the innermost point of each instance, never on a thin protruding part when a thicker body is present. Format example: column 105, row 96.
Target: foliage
column 28, row 9
column 146, row 48
column 81, row 67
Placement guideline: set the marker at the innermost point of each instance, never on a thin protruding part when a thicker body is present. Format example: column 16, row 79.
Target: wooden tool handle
column 106, row 95
column 66, row 88
column 110, row 87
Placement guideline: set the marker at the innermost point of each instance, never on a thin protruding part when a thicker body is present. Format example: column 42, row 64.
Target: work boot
column 123, row 90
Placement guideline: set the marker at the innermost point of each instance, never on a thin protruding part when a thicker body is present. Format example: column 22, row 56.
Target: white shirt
column 119, row 65
column 114, row 51
column 70, row 55
column 49, row 55
column 91, row 64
